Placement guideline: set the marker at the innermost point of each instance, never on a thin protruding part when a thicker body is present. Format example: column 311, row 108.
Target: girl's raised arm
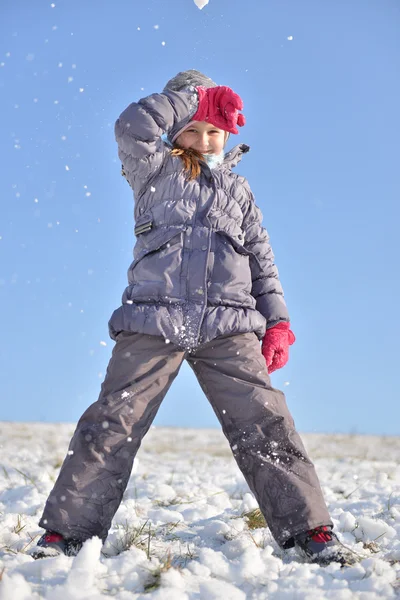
column 139, row 128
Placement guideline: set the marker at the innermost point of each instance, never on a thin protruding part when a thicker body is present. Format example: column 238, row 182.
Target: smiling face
column 203, row 137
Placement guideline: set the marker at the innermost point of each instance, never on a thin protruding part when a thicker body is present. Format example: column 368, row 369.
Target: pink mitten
column 220, row 106
column 275, row 346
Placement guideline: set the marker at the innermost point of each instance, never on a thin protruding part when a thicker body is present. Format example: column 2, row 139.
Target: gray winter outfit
column 203, row 266
column 203, row 279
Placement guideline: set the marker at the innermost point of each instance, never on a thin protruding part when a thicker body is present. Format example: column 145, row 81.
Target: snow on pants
column 253, row 415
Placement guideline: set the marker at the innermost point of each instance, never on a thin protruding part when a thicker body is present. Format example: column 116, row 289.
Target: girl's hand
column 275, row 346
column 220, row 106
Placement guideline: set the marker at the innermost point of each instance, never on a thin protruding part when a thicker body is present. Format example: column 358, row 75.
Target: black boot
column 53, row 544
column 322, row 546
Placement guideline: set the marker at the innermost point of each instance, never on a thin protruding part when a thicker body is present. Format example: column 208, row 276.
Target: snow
column 201, row 3
column 181, row 531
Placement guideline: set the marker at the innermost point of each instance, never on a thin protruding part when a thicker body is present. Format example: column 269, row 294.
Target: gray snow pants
column 253, row 415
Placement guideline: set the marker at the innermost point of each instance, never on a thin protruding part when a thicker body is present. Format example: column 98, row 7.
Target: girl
column 203, row 287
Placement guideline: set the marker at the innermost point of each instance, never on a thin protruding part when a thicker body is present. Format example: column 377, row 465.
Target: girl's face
column 203, row 137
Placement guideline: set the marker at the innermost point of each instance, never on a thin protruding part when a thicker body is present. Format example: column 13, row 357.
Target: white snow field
column 181, row 532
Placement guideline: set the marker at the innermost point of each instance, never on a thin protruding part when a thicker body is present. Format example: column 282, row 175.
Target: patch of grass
column 139, row 536
column 179, row 500
column 18, row 527
column 155, row 577
column 32, row 539
column 148, row 538
column 134, row 536
column 11, row 550
column 174, row 502
column 27, row 478
column 372, row 547
column 254, row 519
column 167, row 530
column 347, row 496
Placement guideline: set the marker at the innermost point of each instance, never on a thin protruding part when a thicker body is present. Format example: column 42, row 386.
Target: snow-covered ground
column 181, row 532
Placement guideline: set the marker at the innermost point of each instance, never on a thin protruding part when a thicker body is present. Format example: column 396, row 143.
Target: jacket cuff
column 191, row 98
column 273, row 308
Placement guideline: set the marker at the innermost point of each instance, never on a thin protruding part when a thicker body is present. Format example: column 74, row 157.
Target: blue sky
column 323, row 124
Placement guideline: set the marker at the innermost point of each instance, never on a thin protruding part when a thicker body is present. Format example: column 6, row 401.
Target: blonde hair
column 191, row 161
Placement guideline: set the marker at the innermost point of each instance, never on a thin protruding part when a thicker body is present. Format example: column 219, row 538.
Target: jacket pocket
column 230, row 280
column 155, row 274
column 235, row 241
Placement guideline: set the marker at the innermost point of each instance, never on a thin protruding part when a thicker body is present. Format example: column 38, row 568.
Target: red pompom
column 241, row 120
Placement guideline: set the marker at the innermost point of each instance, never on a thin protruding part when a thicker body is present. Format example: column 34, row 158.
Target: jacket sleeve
column 139, row 128
column 266, row 288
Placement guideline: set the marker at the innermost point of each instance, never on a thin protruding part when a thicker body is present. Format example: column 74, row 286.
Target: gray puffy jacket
column 203, row 266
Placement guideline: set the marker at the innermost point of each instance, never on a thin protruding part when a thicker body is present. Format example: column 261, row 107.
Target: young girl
column 203, row 287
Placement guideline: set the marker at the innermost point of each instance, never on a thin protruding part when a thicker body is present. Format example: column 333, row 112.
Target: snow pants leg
column 253, row 415
column 260, row 430
column 98, row 465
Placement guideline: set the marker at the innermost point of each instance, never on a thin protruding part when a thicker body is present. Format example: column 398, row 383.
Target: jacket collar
column 234, row 156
